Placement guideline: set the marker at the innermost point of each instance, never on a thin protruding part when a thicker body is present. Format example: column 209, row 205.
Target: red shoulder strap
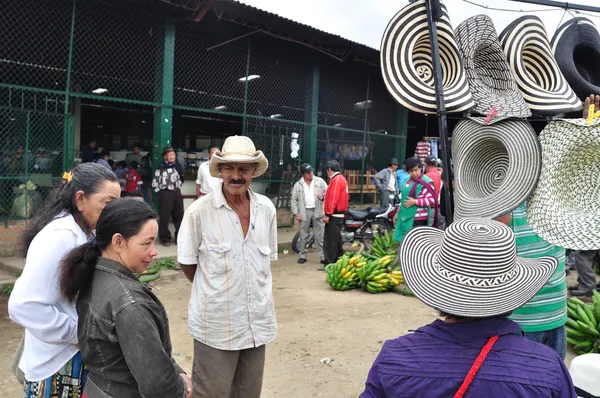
column 475, row 368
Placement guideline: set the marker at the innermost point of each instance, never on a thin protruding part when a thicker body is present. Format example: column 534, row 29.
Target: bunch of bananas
column 376, row 277
column 383, row 244
column 396, row 275
column 343, row 275
column 583, row 325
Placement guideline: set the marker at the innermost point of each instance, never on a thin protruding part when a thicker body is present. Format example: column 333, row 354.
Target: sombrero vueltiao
column 565, row 207
column 576, row 47
column 407, row 67
column 490, row 79
column 471, row 269
column 496, row 166
column 238, row 149
column 544, row 88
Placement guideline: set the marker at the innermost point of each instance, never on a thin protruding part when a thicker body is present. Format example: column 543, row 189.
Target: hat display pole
column 439, row 99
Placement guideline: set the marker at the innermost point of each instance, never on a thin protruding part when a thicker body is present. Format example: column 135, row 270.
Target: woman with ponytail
column 123, row 327
column 51, row 361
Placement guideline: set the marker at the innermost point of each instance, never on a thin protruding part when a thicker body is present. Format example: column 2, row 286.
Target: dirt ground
column 315, row 322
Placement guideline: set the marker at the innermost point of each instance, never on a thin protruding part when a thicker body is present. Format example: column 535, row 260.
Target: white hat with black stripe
column 471, row 269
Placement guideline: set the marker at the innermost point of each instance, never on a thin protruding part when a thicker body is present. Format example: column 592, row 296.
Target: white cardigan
column 36, row 304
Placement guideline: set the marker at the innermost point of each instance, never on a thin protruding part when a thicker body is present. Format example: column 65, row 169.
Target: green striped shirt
column 547, row 310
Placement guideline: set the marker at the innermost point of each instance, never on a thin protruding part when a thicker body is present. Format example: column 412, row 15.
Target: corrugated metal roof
column 336, row 45
column 353, row 43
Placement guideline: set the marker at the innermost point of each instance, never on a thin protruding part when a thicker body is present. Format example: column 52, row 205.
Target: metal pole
column 560, row 4
column 246, row 88
column 441, row 106
column 364, row 144
column 68, row 154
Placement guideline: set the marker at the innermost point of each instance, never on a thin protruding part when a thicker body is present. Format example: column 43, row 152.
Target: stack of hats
column 499, row 161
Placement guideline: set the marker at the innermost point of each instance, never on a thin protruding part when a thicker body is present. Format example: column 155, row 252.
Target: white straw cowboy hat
column 407, row 67
column 238, row 149
column 543, row 86
column 471, row 269
column 576, row 47
column 496, row 166
column 488, row 73
column 564, row 209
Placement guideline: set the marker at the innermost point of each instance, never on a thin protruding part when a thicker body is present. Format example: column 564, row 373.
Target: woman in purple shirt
column 471, row 274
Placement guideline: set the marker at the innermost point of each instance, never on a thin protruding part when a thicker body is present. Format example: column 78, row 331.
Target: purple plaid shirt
column 434, row 360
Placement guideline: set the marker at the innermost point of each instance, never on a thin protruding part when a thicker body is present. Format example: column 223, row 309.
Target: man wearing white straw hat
column 471, row 274
column 226, row 243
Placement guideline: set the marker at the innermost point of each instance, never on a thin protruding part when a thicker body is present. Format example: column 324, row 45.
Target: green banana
column 583, row 316
column 587, row 328
column 574, row 333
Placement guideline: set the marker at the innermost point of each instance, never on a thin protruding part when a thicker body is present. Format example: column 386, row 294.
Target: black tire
column 378, row 227
column 295, row 242
column 309, row 242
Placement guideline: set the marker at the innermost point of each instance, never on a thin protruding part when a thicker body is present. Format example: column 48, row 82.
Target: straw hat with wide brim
column 496, row 166
column 407, row 67
column 238, row 149
column 490, row 78
column 471, row 269
column 576, row 47
column 543, row 86
column 564, row 209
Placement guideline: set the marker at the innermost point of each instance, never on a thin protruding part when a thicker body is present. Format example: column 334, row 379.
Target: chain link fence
column 222, row 76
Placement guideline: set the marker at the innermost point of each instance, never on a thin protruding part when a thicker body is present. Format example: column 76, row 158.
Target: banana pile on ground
column 583, row 325
column 384, row 245
column 379, row 275
column 343, row 274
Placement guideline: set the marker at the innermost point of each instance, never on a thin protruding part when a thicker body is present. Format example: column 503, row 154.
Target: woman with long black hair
column 51, row 361
column 123, row 327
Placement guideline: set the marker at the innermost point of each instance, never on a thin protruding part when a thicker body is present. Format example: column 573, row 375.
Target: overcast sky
column 365, row 21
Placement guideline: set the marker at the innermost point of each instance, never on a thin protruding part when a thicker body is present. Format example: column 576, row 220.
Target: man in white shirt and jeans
column 205, row 183
column 226, row 243
column 307, row 207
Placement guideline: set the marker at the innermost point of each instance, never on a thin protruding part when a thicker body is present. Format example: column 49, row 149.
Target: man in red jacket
column 336, row 204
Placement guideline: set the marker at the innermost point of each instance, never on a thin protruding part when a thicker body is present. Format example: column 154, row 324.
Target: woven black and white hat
column 407, row 67
column 576, row 47
column 544, row 88
column 496, row 166
column 490, row 78
column 564, row 209
column 471, row 269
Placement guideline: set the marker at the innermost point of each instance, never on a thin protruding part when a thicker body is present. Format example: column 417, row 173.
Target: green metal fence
column 136, row 54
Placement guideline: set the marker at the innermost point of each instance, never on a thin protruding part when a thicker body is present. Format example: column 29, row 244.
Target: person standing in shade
column 586, row 275
column 134, row 156
column 103, row 159
column 433, row 172
column 205, row 183
column 146, row 173
column 385, row 182
column 89, row 152
column 227, row 242
column 418, row 196
column 167, row 183
column 308, row 208
column 336, row 205
column 402, row 176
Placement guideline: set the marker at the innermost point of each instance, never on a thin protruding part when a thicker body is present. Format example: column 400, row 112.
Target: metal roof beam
column 560, row 4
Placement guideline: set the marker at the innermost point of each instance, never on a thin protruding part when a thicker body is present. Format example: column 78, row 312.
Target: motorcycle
column 359, row 227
